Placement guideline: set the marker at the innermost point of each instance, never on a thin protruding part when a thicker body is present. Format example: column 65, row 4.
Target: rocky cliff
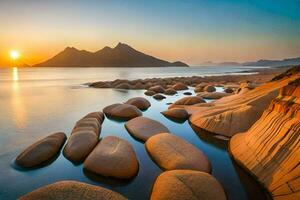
column 270, row 149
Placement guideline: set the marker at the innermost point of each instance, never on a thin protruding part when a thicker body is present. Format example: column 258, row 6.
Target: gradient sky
column 187, row 30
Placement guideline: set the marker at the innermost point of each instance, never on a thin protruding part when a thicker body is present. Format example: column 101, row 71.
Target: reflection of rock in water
column 209, row 138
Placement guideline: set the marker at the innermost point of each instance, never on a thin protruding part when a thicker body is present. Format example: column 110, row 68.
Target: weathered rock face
column 142, row 128
column 171, row 152
column 42, row 151
column 187, row 185
column 176, row 113
column 122, row 111
column 140, row 102
column 236, row 113
column 270, row 149
column 72, row 190
column 113, row 157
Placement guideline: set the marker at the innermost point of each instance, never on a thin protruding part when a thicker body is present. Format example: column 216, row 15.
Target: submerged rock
column 171, row 152
column 187, row 185
column 187, row 93
column 113, row 157
column 42, row 151
column 159, row 97
column 176, row 113
column 270, row 149
column 189, row 100
column 72, row 190
column 122, row 111
column 142, row 128
column 140, row 102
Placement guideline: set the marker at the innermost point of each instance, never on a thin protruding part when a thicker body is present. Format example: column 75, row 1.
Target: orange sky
column 189, row 31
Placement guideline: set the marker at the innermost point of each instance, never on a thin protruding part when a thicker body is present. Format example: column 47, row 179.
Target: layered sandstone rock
column 213, row 95
column 113, row 157
column 187, row 185
column 236, row 113
column 171, row 152
column 189, row 100
column 42, row 151
column 72, row 190
column 270, row 149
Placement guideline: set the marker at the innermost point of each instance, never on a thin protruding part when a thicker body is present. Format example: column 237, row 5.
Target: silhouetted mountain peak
column 123, row 46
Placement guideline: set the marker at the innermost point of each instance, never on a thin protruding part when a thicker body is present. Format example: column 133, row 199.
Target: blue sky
column 188, row 30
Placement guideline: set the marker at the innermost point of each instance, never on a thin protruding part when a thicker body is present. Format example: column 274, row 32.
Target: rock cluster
column 72, row 190
column 42, row 151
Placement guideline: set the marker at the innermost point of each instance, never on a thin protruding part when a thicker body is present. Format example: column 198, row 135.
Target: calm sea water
column 36, row 102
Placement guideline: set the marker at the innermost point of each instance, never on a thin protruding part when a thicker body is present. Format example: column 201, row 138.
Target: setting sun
column 14, row 55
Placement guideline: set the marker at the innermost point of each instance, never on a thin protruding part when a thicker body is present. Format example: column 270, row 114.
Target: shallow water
column 34, row 104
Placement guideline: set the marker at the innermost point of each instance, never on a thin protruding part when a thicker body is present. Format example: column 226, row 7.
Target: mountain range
column 270, row 63
column 122, row 55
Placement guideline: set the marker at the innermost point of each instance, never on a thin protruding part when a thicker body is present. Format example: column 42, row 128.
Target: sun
column 14, row 55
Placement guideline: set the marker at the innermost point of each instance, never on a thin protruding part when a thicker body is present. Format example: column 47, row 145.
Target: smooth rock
column 157, row 89
column 189, row 100
column 159, row 96
column 80, row 145
column 88, row 124
column 209, row 88
column 213, row 95
column 180, row 86
column 172, row 152
column 176, row 113
column 98, row 115
column 123, row 86
column 41, row 151
column 113, row 157
column 142, row 128
column 140, row 102
column 229, row 90
column 150, row 93
column 72, row 190
column 187, row 185
column 170, row 91
column 122, row 111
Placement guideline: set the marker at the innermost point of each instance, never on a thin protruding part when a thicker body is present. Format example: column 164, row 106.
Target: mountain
column 122, row 55
column 274, row 63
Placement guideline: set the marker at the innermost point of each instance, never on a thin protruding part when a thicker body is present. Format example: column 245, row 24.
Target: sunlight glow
column 14, row 55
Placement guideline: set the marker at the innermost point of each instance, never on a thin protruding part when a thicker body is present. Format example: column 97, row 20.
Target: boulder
column 157, row 89
column 113, row 157
column 187, row 185
column 42, row 151
column 176, row 113
column 72, row 190
column 198, row 89
column 79, row 145
column 159, row 96
column 123, row 86
column 170, row 91
column 150, row 93
column 140, row 102
column 189, row 100
column 209, row 88
column 229, row 90
column 171, row 152
column 98, row 115
column 122, row 111
column 88, row 124
column 180, row 86
column 142, row 128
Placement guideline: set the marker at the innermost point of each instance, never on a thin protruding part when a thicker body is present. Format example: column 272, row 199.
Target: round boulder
column 122, row 111
column 72, row 190
column 79, row 145
column 176, row 113
column 187, row 185
column 157, row 89
column 88, row 124
column 42, row 151
column 170, row 91
column 113, row 157
column 150, row 93
column 98, row 115
column 171, row 152
column 140, row 102
column 180, row 86
column 189, row 100
column 209, row 88
column 159, row 97
column 229, row 90
column 143, row 128
column 123, row 86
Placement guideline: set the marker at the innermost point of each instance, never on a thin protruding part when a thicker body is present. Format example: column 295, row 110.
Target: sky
column 193, row 31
